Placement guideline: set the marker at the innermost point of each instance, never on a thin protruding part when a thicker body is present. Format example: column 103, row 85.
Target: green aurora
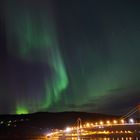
column 36, row 41
column 69, row 56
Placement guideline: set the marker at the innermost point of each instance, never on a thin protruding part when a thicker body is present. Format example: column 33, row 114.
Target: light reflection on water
column 105, row 138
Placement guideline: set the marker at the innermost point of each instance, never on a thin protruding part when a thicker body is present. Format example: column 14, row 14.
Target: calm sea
column 105, row 138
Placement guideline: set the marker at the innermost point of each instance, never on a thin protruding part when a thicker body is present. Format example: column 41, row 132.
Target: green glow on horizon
column 21, row 110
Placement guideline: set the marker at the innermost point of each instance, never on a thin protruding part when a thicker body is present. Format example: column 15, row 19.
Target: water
column 71, row 138
column 99, row 138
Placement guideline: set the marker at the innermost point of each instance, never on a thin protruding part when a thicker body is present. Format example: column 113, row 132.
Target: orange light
column 96, row 123
column 87, row 125
column 101, row 123
column 122, row 121
column 115, row 122
column 108, row 122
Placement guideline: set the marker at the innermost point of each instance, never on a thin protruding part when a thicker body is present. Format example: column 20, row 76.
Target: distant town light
column 8, row 124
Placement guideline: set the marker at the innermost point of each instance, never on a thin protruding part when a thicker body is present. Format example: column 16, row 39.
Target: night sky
column 69, row 55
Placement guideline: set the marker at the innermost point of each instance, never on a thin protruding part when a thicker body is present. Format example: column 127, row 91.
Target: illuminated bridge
column 125, row 126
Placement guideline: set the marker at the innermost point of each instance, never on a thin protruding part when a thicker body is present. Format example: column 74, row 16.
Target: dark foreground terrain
column 49, row 120
column 33, row 126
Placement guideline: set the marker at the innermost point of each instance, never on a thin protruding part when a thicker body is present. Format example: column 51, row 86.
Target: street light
column 68, row 129
column 108, row 122
column 87, row 125
column 131, row 121
column 122, row 121
column 96, row 123
column 101, row 122
column 115, row 122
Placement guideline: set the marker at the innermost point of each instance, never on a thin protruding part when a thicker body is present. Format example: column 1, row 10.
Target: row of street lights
column 108, row 122
column 101, row 123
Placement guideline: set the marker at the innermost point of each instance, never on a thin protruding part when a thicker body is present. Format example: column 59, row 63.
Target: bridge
column 124, row 126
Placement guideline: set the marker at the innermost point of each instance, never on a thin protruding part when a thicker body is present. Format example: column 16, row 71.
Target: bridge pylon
column 79, row 126
column 134, row 111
